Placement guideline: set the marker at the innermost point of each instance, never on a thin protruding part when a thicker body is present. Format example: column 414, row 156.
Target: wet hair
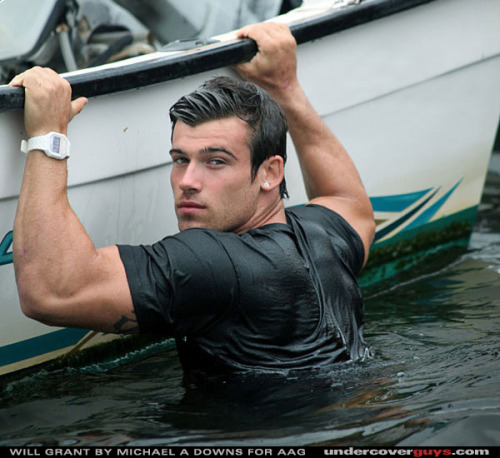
column 223, row 97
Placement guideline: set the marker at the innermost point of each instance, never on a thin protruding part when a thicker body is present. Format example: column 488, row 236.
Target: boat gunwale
column 117, row 78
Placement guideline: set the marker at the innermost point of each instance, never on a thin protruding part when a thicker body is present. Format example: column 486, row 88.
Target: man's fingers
column 263, row 30
column 36, row 78
column 243, row 69
column 48, row 105
column 244, row 32
column 77, row 105
column 17, row 81
column 256, row 32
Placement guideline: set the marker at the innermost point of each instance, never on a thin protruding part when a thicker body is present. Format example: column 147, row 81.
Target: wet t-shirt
column 281, row 296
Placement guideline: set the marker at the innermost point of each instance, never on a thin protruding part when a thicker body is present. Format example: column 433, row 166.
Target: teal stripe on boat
column 427, row 214
column 5, row 255
column 396, row 203
column 40, row 345
column 400, row 221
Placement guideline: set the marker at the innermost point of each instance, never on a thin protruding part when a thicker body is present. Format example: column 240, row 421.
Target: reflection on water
column 434, row 379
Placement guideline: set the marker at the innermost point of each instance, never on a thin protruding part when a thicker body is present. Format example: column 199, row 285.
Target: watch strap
column 53, row 144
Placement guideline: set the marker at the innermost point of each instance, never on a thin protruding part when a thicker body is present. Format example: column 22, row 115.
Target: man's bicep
column 101, row 301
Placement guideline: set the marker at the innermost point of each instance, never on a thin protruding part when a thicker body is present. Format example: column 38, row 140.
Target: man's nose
column 191, row 178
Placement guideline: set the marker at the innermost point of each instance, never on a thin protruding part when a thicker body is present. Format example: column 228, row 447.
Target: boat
column 411, row 87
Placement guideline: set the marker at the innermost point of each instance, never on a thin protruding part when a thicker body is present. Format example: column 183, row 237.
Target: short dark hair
column 223, row 97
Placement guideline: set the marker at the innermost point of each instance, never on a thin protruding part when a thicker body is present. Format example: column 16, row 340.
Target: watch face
column 56, row 144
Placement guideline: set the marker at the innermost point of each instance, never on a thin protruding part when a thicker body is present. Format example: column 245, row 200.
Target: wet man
column 245, row 284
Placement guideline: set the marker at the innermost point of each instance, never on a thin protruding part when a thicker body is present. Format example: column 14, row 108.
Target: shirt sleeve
column 342, row 236
column 181, row 285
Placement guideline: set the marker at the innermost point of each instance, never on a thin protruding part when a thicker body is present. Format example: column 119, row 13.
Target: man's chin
column 183, row 225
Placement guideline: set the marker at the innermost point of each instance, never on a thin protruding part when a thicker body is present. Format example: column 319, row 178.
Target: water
column 434, row 379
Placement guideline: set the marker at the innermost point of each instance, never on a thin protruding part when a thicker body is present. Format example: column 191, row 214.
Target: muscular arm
column 62, row 279
column 330, row 177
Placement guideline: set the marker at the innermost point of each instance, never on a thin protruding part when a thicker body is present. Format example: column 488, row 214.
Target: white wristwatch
column 53, row 144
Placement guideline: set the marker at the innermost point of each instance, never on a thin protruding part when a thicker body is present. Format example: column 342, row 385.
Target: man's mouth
column 189, row 207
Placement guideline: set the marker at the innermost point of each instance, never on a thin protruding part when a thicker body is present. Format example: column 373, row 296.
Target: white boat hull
column 415, row 98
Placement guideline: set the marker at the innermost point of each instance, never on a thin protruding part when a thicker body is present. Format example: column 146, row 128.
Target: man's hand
column 274, row 67
column 48, row 105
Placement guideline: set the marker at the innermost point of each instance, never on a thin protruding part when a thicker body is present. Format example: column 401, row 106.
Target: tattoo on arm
column 127, row 324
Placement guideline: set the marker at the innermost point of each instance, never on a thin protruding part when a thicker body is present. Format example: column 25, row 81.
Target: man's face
column 211, row 176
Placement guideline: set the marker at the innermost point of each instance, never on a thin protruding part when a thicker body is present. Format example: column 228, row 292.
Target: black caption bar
column 253, row 452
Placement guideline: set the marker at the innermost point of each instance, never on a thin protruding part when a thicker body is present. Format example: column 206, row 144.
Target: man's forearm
column 62, row 279
column 48, row 238
column 326, row 166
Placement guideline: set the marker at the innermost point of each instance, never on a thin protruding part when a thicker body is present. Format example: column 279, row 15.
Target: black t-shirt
column 282, row 296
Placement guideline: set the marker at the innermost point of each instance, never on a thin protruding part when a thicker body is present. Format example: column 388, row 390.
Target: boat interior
column 68, row 36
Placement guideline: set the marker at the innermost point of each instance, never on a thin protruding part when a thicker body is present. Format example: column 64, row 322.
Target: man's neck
column 271, row 214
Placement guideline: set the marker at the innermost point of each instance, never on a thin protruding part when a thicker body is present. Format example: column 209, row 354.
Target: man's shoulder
column 319, row 223
column 317, row 214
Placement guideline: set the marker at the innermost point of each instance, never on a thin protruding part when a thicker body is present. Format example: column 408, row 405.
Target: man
column 245, row 284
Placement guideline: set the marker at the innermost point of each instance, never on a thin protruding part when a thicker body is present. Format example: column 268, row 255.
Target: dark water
column 434, row 379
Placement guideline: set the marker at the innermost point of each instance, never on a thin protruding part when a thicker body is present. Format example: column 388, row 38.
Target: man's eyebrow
column 209, row 150
column 218, row 149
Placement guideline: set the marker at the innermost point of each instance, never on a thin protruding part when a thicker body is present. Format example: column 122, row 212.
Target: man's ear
column 271, row 173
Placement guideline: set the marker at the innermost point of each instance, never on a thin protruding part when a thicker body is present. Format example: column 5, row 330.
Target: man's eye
column 180, row 160
column 216, row 162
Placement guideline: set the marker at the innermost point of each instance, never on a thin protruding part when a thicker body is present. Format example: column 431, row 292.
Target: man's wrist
column 290, row 98
column 54, row 144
